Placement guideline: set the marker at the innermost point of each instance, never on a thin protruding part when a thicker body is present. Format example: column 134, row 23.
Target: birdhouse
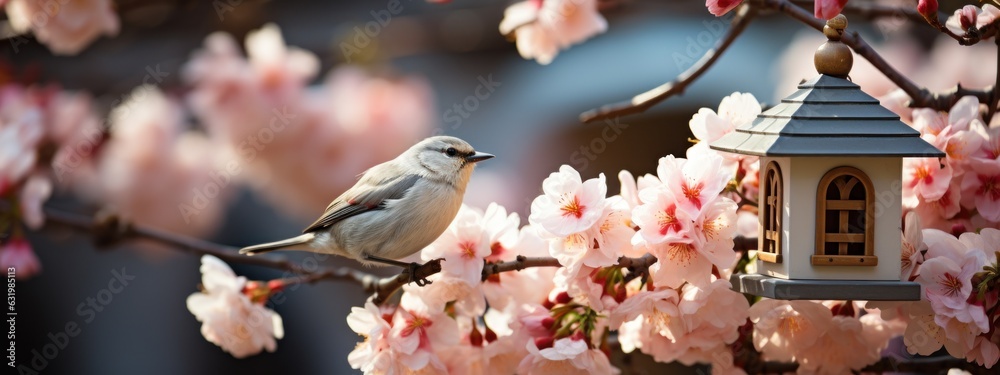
column 830, row 202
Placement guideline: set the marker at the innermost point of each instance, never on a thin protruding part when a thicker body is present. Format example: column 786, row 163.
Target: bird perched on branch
column 395, row 209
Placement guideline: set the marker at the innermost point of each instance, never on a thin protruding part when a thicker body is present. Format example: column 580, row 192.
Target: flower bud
column 490, row 335
column 957, row 229
column 475, row 338
column 544, row 342
column 563, row 298
column 929, row 9
column 548, row 322
column 276, row 285
column 968, row 15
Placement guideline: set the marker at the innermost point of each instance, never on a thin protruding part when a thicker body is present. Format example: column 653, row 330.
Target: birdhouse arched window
column 845, row 219
column 770, row 242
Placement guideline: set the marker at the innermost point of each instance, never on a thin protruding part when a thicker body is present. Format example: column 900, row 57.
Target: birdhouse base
column 864, row 290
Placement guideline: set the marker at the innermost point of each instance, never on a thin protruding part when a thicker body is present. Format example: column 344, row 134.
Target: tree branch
column 929, row 365
column 642, row 102
column 919, row 96
column 108, row 230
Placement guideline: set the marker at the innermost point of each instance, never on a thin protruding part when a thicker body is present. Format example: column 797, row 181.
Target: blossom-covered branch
column 644, row 101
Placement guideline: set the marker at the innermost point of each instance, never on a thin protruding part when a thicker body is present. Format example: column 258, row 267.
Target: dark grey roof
column 827, row 116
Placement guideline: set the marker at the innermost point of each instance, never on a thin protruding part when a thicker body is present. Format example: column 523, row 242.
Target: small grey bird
column 395, row 209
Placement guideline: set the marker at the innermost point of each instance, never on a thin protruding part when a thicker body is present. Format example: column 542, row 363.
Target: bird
column 395, row 209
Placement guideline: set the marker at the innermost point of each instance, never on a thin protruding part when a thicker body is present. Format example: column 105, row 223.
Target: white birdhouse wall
column 801, row 177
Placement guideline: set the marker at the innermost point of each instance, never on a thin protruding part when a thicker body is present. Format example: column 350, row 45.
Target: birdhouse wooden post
column 830, row 188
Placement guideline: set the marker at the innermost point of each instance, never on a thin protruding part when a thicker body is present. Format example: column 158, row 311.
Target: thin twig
column 644, row 101
column 874, row 10
column 919, row 96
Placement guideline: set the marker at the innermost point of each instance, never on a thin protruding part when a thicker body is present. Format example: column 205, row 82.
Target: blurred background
column 437, row 56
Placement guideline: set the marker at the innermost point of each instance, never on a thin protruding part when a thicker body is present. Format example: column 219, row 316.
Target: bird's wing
column 369, row 194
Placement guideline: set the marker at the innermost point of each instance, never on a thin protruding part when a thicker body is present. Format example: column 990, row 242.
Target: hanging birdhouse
column 831, row 162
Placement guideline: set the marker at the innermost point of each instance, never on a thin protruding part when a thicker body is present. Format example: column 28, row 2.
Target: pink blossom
column 467, row 299
column 707, row 323
column 276, row 66
column 660, row 219
column 970, row 16
column 502, row 232
column 542, row 28
column 784, row 329
column 913, row 246
column 986, row 241
column 65, row 28
column 586, row 286
column 712, row 313
column 632, row 186
column 34, row 193
column 658, row 308
column 16, row 253
column 985, row 351
column 947, row 284
column 679, row 263
column 373, row 356
column 922, row 336
column 716, row 227
column 735, row 110
column 843, row 348
column 926, row 177
column 418, row 330
column 229, row 318
column 990, row 148
column 463, row 246
column 567, row 356
column 73, row 125
column 603, row 244
column 981, row 188
column 694, row 182
column 568, row 204
column 720, row 7
column 21, row 130
column 827, row 9
column 938, row 213
column 156, row 173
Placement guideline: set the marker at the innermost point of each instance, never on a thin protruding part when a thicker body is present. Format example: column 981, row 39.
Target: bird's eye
column 451, row 151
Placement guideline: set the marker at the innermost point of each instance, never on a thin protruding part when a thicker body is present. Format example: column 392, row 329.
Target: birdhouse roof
column 827, row 116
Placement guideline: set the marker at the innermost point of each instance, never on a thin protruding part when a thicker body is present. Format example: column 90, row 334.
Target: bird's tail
column 277, row 245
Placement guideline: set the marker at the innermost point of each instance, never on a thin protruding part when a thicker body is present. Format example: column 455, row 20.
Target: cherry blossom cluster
column 957, row 193
column 66, row 27
column 958, row 309
column 43, row 131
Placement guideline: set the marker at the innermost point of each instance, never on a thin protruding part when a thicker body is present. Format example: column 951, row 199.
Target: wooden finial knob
column 834, row 58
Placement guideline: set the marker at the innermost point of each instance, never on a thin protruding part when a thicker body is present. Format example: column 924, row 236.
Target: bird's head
column 447, row 158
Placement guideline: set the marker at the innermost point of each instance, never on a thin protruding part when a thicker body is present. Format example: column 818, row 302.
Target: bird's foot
column 419, row 273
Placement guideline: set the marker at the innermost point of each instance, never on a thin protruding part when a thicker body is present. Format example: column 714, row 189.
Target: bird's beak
column 478, row 157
